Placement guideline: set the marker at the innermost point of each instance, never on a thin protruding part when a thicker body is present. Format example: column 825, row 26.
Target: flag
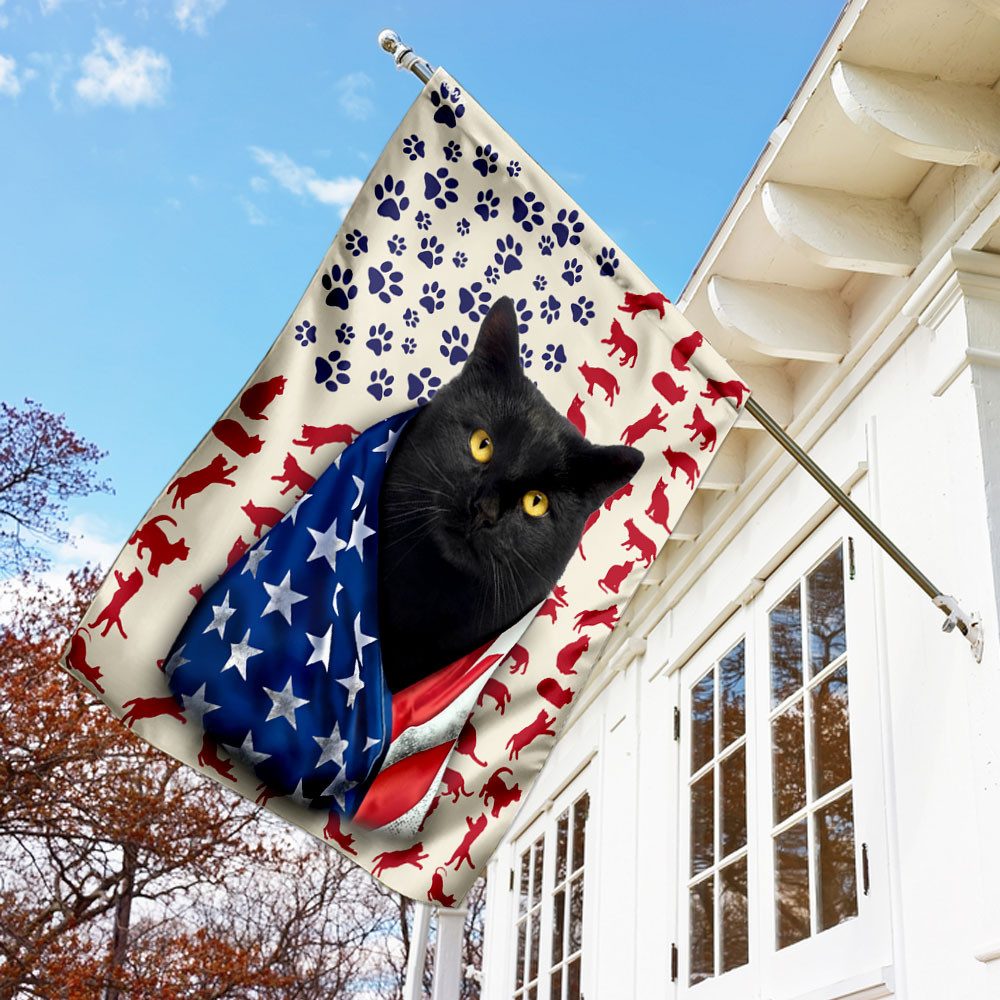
column 239, row 553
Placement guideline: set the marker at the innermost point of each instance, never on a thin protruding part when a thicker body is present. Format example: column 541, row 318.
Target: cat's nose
column 486, row 511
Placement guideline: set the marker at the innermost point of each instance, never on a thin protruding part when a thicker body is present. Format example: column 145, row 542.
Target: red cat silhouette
column 236, row 553
column 539, row 726
column 266, row 794
column 621, row 341
column 602, row 378
column 332, row 831
column 567, row 657
column 436, row 893
column 683, row 461
column 550, row 689
column 702, row 428
column 232, row 435
column 659, row 507
column 716, row 391
column 466, row 742
column 208, row 756
column 316, row 437
column 615, row 576
column 575, row 415
column 76, row 659
column 454, row 783
column 162, row 551
column 625, row 491
column 149, row 708
column 519, row 658
column 430, row 809
column 260, row 396
column 294, row 477
column 476, row 827
column 396, row 859
column 637, row 540
column 652, row 421
column 497, row 790
column 128, row 587
column 665, row 385
column 215, row 473
column 635, row 304
column 554, row 603
column 498, row 691
column 683, row 349
column 591, row 521
column 196, row 592
column 600, row 616
column 262, row 517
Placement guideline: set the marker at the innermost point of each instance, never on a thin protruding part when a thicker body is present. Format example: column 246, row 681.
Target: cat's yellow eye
column 481, row 446
column 535, row 503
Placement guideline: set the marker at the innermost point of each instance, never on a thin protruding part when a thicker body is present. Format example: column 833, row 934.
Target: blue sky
column 172, row 173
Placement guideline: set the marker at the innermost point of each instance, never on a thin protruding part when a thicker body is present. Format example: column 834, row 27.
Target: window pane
column 835, row 870
column 702, row 956
column 533, row 993
column 831, row 733
column 733, row 804
column 562, row 828
column 533, row 954
column 789, row 762
column 555, row 993
column 558, row 919
column 573, row 993
column 733, row 916
column 522, row 903
column 520, row 952
column 825, row 598
column 536, row 877
column 791, row 874
column 733, row 695
column 703, row 823
column 786, row 647
column 576, row 916
column 581, row 809
column 702, row 722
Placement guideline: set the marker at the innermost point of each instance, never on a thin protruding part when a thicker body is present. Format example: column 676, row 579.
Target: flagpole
column 968, row 625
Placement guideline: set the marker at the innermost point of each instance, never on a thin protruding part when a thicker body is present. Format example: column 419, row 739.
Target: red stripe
column 400, row 787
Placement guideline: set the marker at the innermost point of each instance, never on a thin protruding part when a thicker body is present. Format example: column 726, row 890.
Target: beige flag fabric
column 454, row 216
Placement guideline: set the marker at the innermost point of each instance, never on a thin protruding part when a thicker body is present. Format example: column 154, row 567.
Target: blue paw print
column 474, row 301
column 419, row 382
column 440, row 188
column 539, row 282
column 413, row 147
column 528, row 213
column 487, row 205
column 463, row 227
column 381, row 383
column 567, row 227
column 486, row 160
column 582, row 310
column 332, row 370
column 339, row 287
column 396, row 245
column 411, row 318
column 306, row 333
column 344, row 333
column 452, row 151
column 554, row 357
column 356, row 242
column 514, row 168
column 409, row 345
column 378, row 340
column 550, row 309
column 608, row 261
column 423, row 220
column 508, row 255
column 447, row 101
column 523, row 315
column 383, row 281
column 431, row 252
column 454, row 346
column 433, row 297
column 545, row 245
column 460, row 260
column 572, row 272
column 492, row 275
column 526, row 355
column 387, row 194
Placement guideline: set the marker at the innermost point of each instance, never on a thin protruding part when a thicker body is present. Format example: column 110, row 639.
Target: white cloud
column 340, row 191
column 115, row 74
column 195, row 14
column 49, row 6
column 10, row 85
column 56, row 67
column 354, row 99
column 4, row 19
column 259, row 184
column 254, row 215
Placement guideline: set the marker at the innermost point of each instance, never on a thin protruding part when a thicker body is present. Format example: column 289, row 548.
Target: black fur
column 459, row 559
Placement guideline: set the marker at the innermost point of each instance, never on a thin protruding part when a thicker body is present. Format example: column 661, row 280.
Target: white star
column 284, row 704
column 360, row 639
column 321, row 648
column 245, row 753
column 360, row 483
column 337, row 590
column 223, row 612
column 294, row 512
column 390, row 442
column 327, row 545
column 281, row 597
column 196, row 706
column 359, row 532
column 354, row 684
column 239, row 653
column 333, row 747
column 299, row 796
column 254, row 558
column 339, row 787
column 175, row 661
column 369, row 743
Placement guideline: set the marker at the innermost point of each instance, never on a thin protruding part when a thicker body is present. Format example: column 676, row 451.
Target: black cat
column 485, row 497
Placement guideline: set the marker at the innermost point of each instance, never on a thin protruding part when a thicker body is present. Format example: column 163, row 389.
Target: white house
column 783, row 780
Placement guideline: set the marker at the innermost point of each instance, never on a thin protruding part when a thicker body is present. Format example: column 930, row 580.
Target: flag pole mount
column 404, row 56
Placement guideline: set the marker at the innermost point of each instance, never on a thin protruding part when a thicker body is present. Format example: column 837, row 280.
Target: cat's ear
column 496, row 350
column 604, row 469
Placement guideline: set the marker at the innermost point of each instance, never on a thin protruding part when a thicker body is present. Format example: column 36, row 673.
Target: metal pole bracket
column 968, row 624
